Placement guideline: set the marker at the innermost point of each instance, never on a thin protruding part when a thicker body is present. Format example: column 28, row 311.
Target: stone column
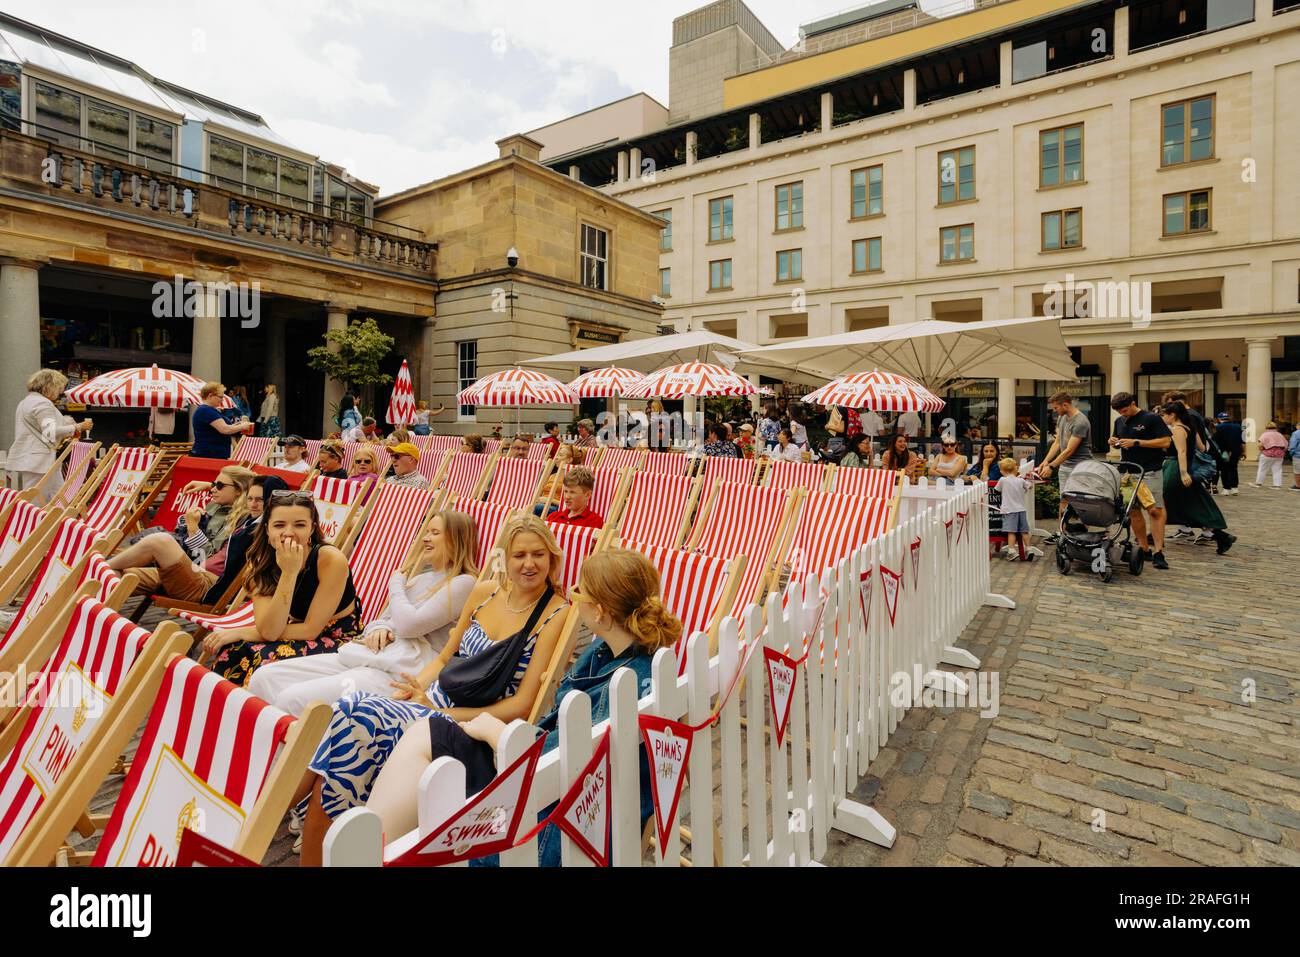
column 336, row 317
column 425, row 386
column 1259, row 391
column 634, row 163
column 1006, row 64
column 622, row 166
column 755, row 131
column 274, row 365
column 1121, row 369
column 1120, row 38
column 575, row 173
column 909, row 89
column 205, row 354
column 1007, row 407
column 828, row 111
column 20, row 337
column 692, row 142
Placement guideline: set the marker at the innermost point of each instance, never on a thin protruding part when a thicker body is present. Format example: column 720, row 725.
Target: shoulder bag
column 482, row 679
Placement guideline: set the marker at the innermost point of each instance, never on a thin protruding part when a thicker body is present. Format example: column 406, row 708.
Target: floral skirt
column 236, row 663
column 269, row 427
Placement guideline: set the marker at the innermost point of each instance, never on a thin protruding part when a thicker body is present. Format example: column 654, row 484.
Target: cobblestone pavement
column 1123, row 736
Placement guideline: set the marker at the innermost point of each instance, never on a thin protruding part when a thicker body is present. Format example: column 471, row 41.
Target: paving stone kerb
column 1151, row 721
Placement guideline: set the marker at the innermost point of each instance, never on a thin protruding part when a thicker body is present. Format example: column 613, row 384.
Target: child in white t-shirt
column 1015, row 514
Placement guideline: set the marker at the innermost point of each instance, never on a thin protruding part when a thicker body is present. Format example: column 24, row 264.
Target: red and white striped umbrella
column 517, row 387
column 610, row 383
column 694, row 379
column 879, row 392
column 401, row 406
column 142, row 388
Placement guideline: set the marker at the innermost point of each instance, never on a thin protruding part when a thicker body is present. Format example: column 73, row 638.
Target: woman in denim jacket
column 618, row 600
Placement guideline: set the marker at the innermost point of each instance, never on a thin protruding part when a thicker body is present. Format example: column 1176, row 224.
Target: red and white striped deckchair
column 657, row 508
column 64, row 711
column 463, row 475
column 516, row 482
column 117, row 494
column 7, row 496
column 577, row 542
column 697, row 588
column 668, row 463
column 336, row 505
column 80, row 461
column 812, row 476
column 254, row 449
column 737, row 471
column 439, row 444
column 213, row 757
column 489, row 518
column 828, row 528
column 241, row 617
column 73, row 541
column 537, row 452
column 313, row 450
column 392, row 529
column 382, row 456
column 872, row 483
column 621, row 458
column 25, row 534
column 491, row 446
column 745, row 520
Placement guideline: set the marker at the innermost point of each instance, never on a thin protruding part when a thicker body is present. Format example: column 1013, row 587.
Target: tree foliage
column 362, row 348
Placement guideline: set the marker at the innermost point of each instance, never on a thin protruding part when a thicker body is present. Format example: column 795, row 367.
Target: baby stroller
column 1093, row 500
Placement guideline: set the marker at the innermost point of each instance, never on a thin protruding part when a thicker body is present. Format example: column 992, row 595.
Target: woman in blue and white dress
column 366, row 727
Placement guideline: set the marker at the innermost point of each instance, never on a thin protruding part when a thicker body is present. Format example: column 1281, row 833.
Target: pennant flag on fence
column 487, row 824
column 947, row 533
column 916, row 563
column 668, row 746
column 780, row 686
column 401, row 407
column 892, row 581
column 864, row 596
column 961, row 525
column 583, row 813
column 198, row 851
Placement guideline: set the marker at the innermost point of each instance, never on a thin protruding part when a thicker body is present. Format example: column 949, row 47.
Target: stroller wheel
column 1136, row 561
column 1063, row 563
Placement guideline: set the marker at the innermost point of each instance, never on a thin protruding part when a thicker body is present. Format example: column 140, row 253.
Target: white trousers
column 294, row 683
column 27, row 480
column 1268, row 465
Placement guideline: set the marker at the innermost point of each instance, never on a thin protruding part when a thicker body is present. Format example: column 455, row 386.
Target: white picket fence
column 774, row 806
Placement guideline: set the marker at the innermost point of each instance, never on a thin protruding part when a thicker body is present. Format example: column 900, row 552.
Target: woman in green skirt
column 1187, row 502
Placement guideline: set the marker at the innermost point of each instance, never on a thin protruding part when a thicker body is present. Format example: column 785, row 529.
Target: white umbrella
column 936, row 353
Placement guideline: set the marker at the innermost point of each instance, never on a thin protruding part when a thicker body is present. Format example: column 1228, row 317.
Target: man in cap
column 405, row 459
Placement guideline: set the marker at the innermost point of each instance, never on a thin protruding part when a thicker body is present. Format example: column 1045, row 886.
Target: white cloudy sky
column 400, row 91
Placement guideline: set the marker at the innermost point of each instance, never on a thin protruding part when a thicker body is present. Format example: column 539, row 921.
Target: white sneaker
column 1233, row 491
column 1255, row 485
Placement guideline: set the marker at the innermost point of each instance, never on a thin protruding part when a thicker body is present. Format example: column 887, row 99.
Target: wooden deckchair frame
column 31, row 551
column 94, row 480
column 57, row 816
column 33, row 493
column 266, row 459
column 548, row 467
column 688, row 507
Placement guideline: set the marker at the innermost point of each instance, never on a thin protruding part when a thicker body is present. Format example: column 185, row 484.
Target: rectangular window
column 666, row 283
column 1187, row 212
column 262, row 173
column 58, row 115
column 957, row 175
column 666, row 233
column 1187, row 131
column 789, row 265
column 866, row 255
column 109, row 130
column 957, row 243
column 1060, row 156
column 226, row 163
column 595, row 257
column 720, row 274
column 868, row 191
column 153, row 142
column 1063, row 229
column 466, row 372
column 720, row 221
column 1175, row 352
column 789, row 207
column 293, row 182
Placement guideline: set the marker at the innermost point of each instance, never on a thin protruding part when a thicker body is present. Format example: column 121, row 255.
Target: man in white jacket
column 38, row 430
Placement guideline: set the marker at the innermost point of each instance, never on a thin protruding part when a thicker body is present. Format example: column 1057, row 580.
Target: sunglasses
column 292, row 497
column 219, row 485
column 363, row 461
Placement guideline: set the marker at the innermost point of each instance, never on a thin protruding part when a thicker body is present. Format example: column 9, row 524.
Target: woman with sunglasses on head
column 949, row 463
column 518, row 612
column 304, row 601
column 618, row 600
column 230, row 561
column 178, row 565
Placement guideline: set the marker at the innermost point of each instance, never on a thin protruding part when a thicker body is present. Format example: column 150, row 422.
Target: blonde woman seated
column 181, row 566
column 524, row 603
column 407, row 637
column 618, row 600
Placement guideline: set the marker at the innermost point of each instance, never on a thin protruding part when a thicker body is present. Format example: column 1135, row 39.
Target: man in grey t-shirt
column 1073, row 441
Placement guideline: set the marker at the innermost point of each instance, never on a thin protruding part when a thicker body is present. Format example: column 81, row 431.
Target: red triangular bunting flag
column 780, row 686
column 199, row 851
column 892, row 581
column 583, row 813
column 668, row 746
column 961, row 525
column 916, row 562
column 487, row 824
column 864, row 597
column 947, row 532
